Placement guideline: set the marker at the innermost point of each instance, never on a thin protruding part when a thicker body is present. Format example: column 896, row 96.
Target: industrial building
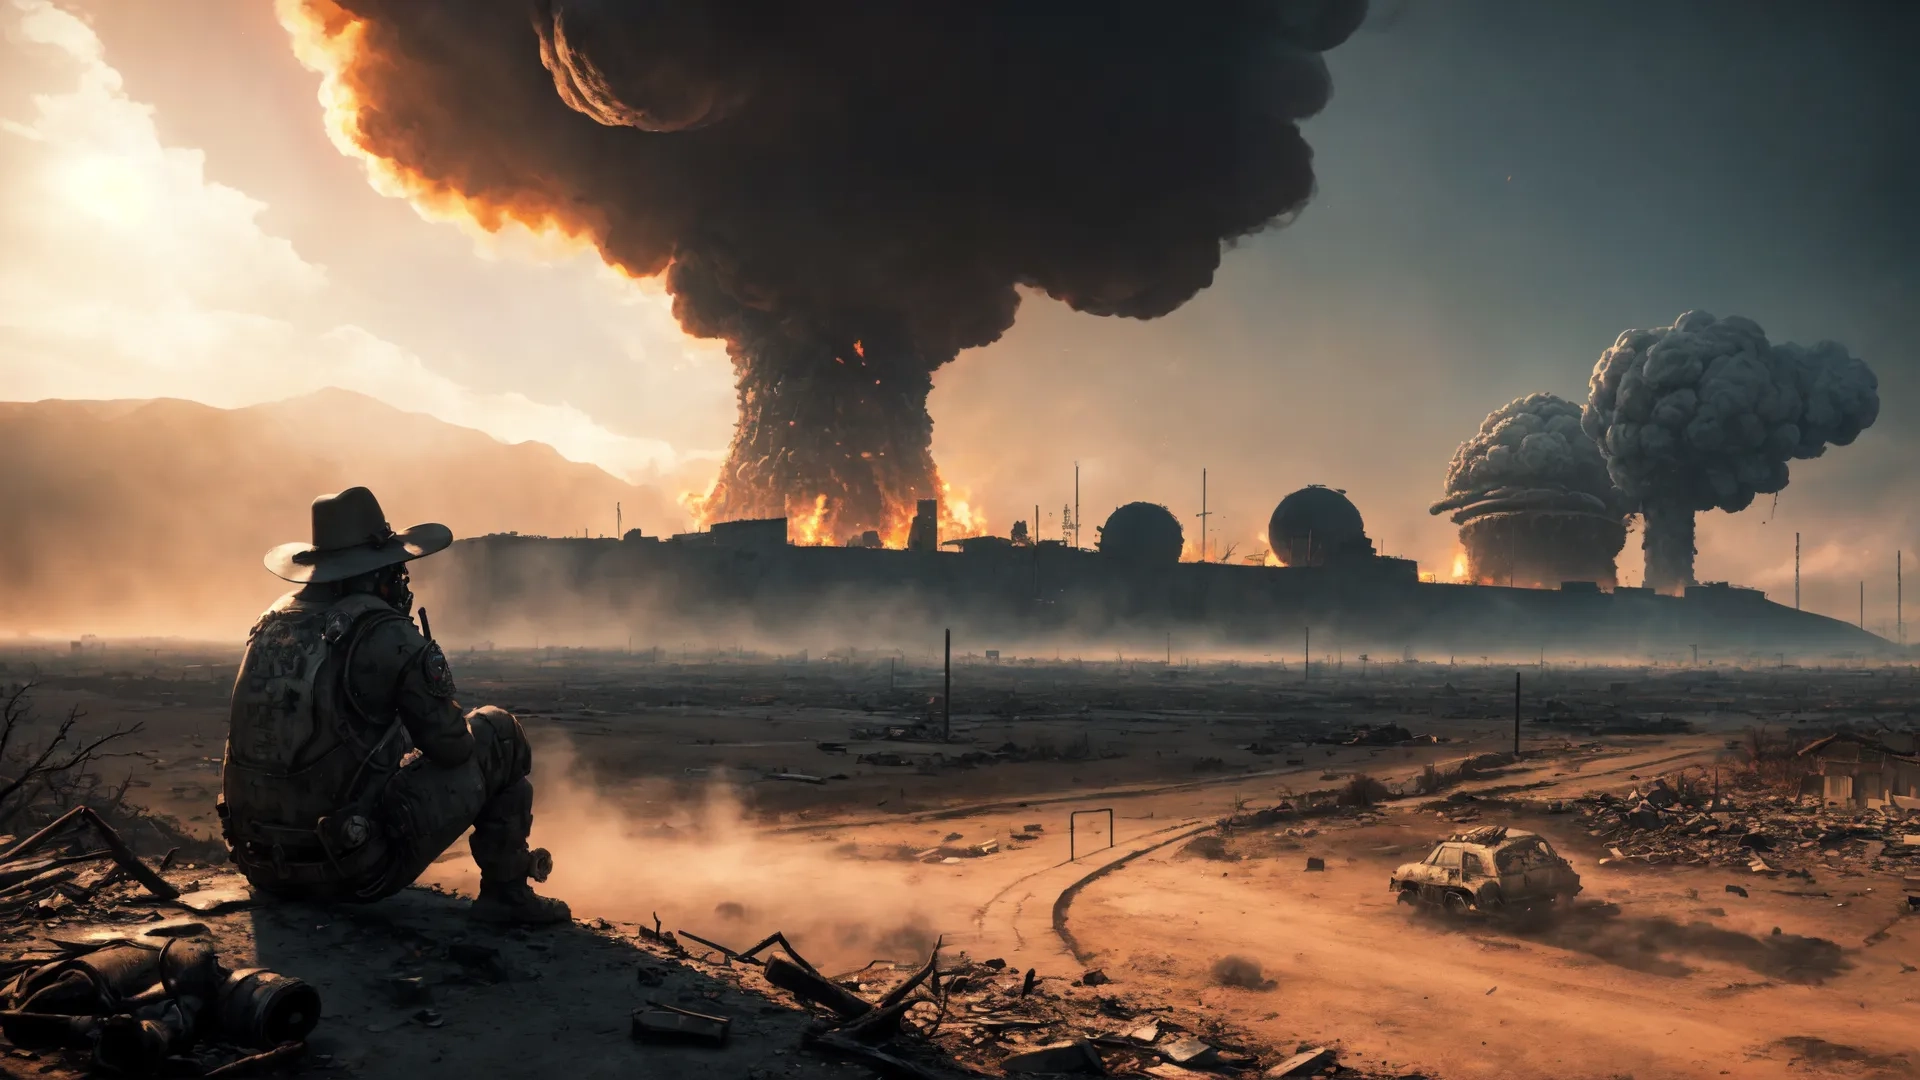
column 744, row 577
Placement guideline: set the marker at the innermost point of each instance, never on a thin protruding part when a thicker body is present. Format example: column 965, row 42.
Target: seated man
column 350, row 767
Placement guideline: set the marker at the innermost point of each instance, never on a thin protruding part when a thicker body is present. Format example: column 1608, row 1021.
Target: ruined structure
column 1867, row 772
column 743, row 580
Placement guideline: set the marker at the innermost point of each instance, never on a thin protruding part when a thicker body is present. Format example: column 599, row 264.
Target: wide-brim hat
column 351, row 537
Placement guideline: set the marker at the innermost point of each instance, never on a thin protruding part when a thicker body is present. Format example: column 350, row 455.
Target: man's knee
column 500, row 743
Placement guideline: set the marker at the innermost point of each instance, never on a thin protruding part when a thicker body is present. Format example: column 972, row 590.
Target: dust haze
column 831, row 798
column 690, row 853
column 151, row 517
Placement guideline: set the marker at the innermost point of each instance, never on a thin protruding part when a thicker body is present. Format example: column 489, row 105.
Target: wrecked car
column 1489, row 869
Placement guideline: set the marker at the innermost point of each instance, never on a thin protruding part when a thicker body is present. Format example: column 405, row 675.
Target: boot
column 499, row 845
column 514, row 903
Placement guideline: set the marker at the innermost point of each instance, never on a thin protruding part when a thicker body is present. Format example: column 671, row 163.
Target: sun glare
column 108, row 188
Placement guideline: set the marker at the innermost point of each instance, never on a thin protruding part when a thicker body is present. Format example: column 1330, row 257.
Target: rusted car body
column 1489, row 869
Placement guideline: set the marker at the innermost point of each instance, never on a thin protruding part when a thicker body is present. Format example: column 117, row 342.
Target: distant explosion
column 847, row 193
column 1705, row 414
column 1531, row 495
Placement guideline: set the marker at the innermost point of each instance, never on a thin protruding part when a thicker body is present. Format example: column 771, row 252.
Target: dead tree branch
column 62, row 767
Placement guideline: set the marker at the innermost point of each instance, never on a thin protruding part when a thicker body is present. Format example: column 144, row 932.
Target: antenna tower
column 1203, row 515
column 1076, row 505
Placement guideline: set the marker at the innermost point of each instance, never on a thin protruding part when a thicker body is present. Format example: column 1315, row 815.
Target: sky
column 1504, row 187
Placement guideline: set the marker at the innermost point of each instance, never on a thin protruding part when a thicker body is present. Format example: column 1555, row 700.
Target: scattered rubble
column 132, row 988
column 1077, row 1056
column 953, row 1017
column 1380, row 735
column 1306, row 1061
column 1664, row 822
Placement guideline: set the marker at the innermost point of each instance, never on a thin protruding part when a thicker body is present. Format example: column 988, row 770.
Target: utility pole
column 1899, row 612
column 1516, row 714
column 1796, row 571
column 1076, row 505
column 1203, row 515
column 946, row 694
column 617, row 532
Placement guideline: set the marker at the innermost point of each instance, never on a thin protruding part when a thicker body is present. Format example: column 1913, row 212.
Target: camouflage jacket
column 333, row 693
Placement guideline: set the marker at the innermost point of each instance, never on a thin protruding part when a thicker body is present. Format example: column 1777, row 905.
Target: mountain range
column 151, row 517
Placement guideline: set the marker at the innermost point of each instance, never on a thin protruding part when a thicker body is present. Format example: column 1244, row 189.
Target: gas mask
column 393, row 589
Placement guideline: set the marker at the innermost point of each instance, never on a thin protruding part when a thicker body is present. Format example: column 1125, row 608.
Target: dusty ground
column 657, row 796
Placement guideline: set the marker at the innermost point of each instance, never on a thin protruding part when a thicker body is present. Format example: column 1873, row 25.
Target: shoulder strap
column 361, row 612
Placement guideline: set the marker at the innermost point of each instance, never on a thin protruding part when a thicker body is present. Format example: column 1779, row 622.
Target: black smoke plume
column 848, row 193
column 1531, row 495
column 1706, row 413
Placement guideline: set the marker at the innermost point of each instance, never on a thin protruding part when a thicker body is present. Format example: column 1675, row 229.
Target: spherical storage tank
column 1314, row 524
column 1142, row 532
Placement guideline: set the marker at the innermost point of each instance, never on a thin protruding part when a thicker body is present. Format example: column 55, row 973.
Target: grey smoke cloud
column 1529, row 454
column 1533, row 500
column 853, row 194
column 1705, row 414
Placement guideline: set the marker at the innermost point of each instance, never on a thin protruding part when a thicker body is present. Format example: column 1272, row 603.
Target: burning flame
column 1266, row 545
column 695, row 503
column 1459, row 566
column 814, row 528
column 958, row 518
column 333, row 42
column 809, row 529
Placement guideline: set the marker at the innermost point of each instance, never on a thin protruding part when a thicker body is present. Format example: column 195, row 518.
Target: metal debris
column 1189, row 1052
column 134, row 1005
column 1077, row 1056
column 1146, row 1034
column 661, row 1022
column 1302, row 1063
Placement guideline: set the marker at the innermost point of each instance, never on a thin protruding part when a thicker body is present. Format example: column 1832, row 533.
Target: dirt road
column 1649, row 975
column 659, row 791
